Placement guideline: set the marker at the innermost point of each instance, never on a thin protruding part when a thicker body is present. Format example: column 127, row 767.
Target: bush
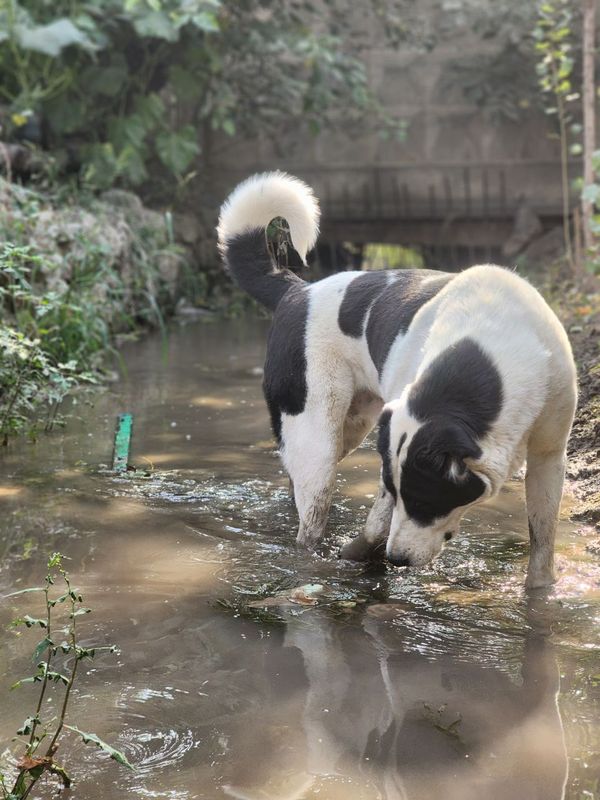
column 129, row 88
column 71, row 278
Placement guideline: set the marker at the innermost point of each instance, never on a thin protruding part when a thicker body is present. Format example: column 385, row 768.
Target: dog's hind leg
column 310, row 449
column 543, row 486
column 370, row 544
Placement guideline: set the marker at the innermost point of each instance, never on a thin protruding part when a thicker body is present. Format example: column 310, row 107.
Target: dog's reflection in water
column 379, row 721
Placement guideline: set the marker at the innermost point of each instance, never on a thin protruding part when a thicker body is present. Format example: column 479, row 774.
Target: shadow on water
column 372, row 683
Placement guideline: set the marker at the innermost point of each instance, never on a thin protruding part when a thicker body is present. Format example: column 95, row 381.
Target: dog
column 468, row 374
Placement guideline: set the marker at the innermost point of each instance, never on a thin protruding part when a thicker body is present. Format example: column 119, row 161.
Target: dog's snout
column 398, row 561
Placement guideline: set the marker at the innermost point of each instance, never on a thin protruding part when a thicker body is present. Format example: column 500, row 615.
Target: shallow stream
column 372, row 683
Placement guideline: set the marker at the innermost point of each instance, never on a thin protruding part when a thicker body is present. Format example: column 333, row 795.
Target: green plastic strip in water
column 122, row 442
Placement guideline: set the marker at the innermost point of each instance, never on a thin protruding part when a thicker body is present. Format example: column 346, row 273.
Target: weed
column 41, row 736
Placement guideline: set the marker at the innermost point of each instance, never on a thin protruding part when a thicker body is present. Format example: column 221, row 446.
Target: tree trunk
column 589, row 114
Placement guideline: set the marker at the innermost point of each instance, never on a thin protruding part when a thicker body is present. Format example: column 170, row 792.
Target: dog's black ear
column 383, row 445
column 435, row 478
column 447, row 450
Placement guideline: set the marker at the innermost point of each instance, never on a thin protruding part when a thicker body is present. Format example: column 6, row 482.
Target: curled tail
column 243, row 220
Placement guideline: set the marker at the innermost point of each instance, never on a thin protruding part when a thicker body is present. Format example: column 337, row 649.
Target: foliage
column 391, row 256
column 30, row 382
column 591, row 193
column 499, row 80
column 38, row 367
column 553, row 37
column 133, row 87
column 56, row 657
column 62, row 302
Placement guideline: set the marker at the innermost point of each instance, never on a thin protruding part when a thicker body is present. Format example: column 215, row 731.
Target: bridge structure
column 453, row 213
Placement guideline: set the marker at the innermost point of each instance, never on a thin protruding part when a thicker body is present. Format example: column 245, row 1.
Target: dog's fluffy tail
column 244, row 218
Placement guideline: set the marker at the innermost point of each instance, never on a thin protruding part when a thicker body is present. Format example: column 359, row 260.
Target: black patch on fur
column 248, row 260
column 400, row 443
column 358, row 297
column 458, row 397
column 428, row 489
column 284, row 382
column 383, row 446
column 462, row 384
column 394, row 309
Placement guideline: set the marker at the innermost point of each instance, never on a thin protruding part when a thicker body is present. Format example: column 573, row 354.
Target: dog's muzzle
column 398, row 561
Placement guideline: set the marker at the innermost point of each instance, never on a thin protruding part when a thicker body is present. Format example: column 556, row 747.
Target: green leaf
column 85, row 652
column 30, row 621
column 26, row 727
column 184, row 82
column 56, row 769
column 57, row 677
column 131, row 130
column 41, row 648
column 88, row 738
column 24, row 591
column 591, row 193
column 66, row 113
column 31, row 679
column 177, row 150
column 150, row 109
column 228, row 126
column 105, row 81
column 51, row 39
column 55, row 560
column 156, row 25
column 205, row 21
column 80, row 612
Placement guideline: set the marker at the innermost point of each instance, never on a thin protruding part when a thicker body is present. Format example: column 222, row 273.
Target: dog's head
column 429, row 441
column 429, row 469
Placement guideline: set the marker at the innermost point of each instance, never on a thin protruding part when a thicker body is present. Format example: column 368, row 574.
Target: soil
column 580, row 313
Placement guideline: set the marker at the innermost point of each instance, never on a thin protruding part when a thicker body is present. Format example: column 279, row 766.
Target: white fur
column 261, row 198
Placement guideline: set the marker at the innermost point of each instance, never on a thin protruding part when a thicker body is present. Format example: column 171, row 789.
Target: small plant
column 43, row 350
column 553, row 37
column 29, row 381
column 57, row 657
column 591, row 194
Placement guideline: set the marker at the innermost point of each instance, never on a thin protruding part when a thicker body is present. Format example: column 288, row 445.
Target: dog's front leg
column 371, row 542
column 543, row 486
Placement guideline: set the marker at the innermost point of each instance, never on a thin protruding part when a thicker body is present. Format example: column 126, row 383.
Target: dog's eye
column 448, row 535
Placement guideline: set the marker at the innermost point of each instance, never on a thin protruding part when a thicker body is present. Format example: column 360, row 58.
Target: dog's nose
column 399, row 561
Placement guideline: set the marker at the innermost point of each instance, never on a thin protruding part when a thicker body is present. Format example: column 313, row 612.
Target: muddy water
column 449, row 682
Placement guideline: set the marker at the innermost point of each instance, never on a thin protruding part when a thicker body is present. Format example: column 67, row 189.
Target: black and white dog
column 468, row 374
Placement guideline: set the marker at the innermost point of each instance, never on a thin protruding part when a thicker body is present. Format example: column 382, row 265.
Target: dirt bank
column 580, row 312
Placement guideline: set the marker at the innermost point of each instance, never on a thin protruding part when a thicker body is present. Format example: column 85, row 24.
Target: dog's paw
column 360, row 549
column 541, row 580
column 309, row 542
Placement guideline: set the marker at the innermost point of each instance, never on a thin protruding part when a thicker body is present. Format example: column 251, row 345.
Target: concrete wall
column 458, row 174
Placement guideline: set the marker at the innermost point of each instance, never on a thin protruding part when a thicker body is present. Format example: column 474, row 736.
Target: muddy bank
column 580, row 313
